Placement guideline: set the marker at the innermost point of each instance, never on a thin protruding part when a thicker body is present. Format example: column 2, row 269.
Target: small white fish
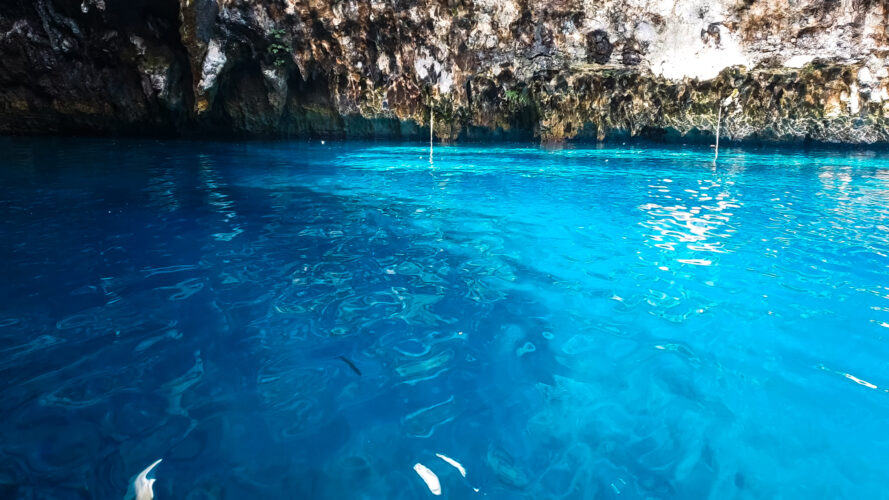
column 141, row 489
column 429, row 478
column 453, row 462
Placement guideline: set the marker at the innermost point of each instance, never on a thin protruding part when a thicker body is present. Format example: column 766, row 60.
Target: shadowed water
column 314, row 321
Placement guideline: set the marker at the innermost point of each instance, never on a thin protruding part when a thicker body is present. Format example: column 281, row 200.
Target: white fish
column 453, row 462
column 429, row 478
column 141, row 489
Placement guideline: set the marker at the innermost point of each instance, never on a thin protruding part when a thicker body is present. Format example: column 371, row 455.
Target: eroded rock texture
column 554, row 69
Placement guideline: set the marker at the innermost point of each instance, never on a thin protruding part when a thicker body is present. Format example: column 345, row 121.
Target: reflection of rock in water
column 525, row 349
column 416, row 368
column 280, row 381
column 291, row 396
column 190, row 447
column 569, row 473
column 355, row 476
column 505, row 468
column 422, row 423
column 353, row 470
column 579, row 344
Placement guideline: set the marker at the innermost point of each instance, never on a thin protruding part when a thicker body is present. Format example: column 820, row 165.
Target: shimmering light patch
column 422, row 423
column 614, row 485
column 859, row 381
column 8, row 322
column 154, row 271
column 525, row 349
column 185, row 288
column 429, row 478
column 141, row 488
column 695, row 262
column 453, row 462
column 851, row 377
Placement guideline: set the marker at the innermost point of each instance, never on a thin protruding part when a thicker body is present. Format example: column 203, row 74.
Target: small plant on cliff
column 277, row 49
column 516, row 100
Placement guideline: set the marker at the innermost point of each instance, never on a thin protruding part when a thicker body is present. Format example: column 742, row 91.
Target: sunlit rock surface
column 553, row 70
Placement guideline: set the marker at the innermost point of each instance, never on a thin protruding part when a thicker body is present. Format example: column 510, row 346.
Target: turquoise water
column 311, row 321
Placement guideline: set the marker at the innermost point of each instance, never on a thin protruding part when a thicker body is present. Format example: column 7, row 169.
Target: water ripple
column 282, row 320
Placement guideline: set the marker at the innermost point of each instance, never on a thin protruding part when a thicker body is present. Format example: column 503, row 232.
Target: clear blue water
column 311, row 321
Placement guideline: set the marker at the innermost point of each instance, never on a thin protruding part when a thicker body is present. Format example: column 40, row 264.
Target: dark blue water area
column 349, row 320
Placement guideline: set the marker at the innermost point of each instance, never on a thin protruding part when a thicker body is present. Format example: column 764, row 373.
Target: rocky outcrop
column 554, row 70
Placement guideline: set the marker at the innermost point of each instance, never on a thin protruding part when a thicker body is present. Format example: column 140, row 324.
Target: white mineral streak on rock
column 155, row 70
column 158, row 81
column 429, row 478
column 799, row 61
column 423, row 64
column 453, row 462
column 214, row 62
column 142, row 487
column 493, row 19
column 383, row 63
column 679, row 51
column 445, row 81
column 442, row 24
column 503, row 12
column 427, row 67
column 276, row 83
column 865, row 77
column 854, row 103
column 645, row 32
column 832, row 108
column 139, row 43
column 98, row 4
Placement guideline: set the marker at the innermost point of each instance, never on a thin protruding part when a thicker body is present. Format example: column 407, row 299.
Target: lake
column 353, row 320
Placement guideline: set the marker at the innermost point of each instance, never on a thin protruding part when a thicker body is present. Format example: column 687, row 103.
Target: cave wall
column 551, row 70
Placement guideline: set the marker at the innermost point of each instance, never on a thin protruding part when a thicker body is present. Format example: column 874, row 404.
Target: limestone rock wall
column 553, row 70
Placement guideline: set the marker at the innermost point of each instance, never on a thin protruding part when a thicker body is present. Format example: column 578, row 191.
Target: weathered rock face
column 554, row 69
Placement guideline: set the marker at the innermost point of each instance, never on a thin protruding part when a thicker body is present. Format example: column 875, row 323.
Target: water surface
column 281, row 320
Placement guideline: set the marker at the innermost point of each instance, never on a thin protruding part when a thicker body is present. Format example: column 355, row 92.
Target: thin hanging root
column 718, row 123
column 431, row 129
column 725, row 103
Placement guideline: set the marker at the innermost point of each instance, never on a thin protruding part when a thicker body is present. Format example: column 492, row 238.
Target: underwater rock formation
column 554, row 70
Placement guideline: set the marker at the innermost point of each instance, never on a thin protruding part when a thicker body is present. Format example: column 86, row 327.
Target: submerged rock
column 560, row 70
